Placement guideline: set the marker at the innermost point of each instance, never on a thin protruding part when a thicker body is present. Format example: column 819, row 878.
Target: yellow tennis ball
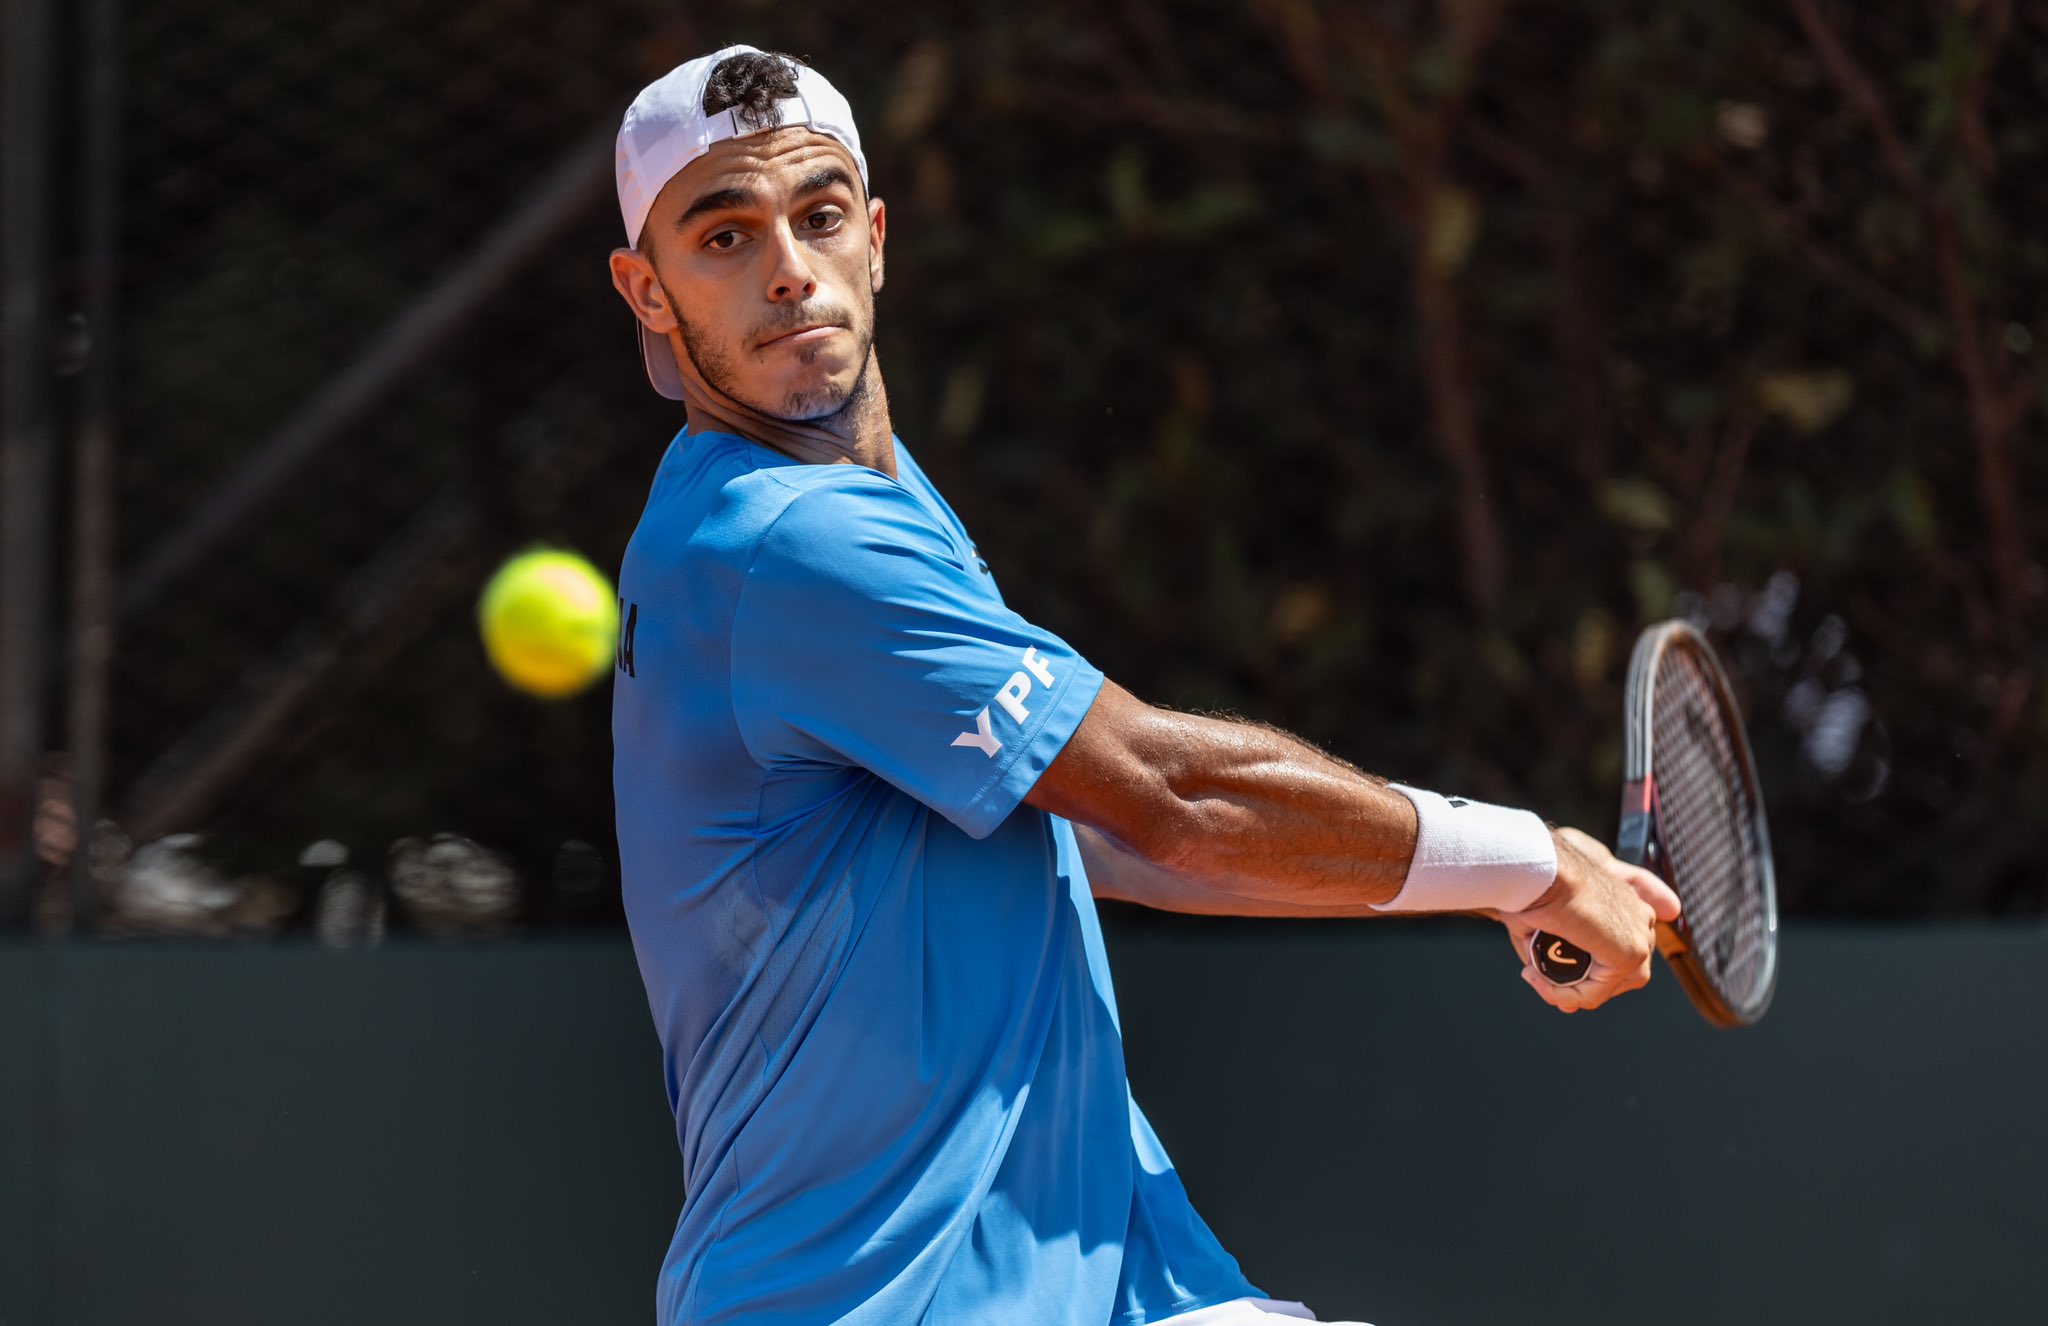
column 550, row 622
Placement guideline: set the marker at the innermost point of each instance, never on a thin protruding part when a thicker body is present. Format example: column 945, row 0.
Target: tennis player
column 864, row 809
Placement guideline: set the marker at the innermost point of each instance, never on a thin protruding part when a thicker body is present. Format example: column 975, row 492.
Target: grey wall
column 416, row 1134
column 1422, row 1143
column 1380, row 1120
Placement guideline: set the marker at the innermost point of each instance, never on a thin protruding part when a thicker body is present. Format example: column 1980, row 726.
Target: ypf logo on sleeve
column 1010, row 698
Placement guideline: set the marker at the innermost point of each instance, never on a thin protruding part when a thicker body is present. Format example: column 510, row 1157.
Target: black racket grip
column 1561, row 961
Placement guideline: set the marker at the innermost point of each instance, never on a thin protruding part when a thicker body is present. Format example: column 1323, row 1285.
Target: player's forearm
column 1256, row 816
column 1125, row 876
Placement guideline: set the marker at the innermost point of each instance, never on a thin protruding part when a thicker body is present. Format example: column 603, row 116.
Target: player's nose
column 792, row 277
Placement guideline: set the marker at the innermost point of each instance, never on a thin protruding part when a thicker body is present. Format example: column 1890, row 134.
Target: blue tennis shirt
column 889, row 1036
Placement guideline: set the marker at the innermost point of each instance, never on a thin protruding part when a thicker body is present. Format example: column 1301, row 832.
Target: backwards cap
column 666, row 129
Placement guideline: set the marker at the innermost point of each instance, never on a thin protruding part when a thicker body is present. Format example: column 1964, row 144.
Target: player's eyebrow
column 724, row 200
column 718, row 200
column 824, row 178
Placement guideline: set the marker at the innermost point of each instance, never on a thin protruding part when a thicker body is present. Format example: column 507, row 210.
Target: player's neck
column 858, row 433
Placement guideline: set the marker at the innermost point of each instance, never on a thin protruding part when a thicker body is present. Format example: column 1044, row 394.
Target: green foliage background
column 1374, row 371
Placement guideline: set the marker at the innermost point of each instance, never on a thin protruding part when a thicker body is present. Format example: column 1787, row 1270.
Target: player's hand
column 1607, row 908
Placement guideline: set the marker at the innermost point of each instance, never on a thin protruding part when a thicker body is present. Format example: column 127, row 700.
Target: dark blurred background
column 1375, row 371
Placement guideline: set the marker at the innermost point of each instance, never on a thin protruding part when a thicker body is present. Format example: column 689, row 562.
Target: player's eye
column 723, row 239
column 827, row 219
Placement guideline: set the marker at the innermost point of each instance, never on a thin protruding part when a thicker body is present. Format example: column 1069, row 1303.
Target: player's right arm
column 1237, row 818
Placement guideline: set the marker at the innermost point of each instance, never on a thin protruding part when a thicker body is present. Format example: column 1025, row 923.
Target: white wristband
column 1473, row 856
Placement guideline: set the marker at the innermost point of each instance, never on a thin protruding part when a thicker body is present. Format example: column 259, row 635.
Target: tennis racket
column 1692, row 812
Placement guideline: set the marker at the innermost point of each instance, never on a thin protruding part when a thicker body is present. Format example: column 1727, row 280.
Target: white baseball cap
column 666, row 129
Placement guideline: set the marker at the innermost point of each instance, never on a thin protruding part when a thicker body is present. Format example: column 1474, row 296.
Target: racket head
column 1693, row 812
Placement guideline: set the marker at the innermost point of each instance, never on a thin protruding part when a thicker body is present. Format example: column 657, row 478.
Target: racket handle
column 1561, row 961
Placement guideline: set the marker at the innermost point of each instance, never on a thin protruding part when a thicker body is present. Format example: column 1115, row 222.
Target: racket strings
column 1709, row 828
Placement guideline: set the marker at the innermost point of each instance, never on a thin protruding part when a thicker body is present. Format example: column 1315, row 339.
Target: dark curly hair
column 750, row 84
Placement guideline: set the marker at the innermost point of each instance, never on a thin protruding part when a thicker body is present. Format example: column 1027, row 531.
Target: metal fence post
column 28, row 50
column 93, row 609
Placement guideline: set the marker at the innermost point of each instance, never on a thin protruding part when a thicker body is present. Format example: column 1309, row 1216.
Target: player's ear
column 878, row 228
column 633, row 278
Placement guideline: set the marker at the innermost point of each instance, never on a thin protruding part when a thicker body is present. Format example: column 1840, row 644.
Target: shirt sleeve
column 862, row 637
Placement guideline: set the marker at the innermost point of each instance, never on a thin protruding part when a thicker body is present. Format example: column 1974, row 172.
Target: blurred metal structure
column 28, row 45
column 89, row 716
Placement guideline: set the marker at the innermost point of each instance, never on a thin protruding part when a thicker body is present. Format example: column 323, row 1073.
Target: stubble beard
column 824, row 406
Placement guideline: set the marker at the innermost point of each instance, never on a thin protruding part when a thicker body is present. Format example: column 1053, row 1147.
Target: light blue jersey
column 890, row 1039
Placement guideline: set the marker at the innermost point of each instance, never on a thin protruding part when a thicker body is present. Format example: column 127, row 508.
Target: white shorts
column 1249, row 1312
